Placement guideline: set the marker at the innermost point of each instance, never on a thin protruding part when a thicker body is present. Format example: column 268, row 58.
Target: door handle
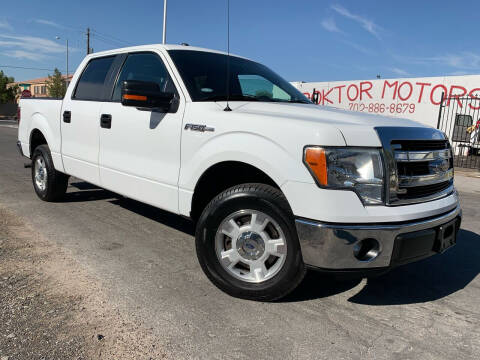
column 67, row 116
column 106, row 121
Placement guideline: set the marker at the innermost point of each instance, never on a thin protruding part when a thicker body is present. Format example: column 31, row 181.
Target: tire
column 256, row 275
column 49, row 184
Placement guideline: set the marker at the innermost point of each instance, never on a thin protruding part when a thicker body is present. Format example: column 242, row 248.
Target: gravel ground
column 50, row 308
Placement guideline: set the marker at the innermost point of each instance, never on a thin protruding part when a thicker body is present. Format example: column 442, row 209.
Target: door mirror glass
column 145, row 95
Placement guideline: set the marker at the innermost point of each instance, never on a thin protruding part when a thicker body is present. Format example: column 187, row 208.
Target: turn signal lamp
column 134, row 97
column 317, row 163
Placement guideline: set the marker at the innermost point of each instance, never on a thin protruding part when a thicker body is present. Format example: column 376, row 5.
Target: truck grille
column 423, row 191
column 419, row 145
column 418, row 164
column 424, row 170
column 412, row 169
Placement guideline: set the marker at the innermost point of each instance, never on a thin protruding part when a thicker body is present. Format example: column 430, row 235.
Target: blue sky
column 310, row 40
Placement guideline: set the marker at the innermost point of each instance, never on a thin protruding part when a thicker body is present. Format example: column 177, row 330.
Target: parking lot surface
column 144, row 260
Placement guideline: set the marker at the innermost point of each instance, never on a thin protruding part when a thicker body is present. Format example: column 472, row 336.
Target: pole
column 67, row 59
column 164, row 39
column 88, row 41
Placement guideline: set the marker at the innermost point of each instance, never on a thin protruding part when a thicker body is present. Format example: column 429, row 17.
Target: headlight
column 357, row 169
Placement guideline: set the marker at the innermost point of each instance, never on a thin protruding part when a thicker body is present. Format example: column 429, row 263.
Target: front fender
column 249, row 148
column 253, row 149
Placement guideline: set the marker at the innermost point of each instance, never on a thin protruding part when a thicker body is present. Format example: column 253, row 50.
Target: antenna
column 164, row 36
column 227, row 108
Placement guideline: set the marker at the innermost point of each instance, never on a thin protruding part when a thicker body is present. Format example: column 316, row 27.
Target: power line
column 101, row 36
column 105, row 41
column 110, row 37
column 26, row 68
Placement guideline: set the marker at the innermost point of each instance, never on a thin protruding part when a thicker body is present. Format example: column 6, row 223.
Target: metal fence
column 459, row 118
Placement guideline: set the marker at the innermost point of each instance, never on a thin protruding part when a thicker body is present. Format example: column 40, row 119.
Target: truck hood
column 358, row 129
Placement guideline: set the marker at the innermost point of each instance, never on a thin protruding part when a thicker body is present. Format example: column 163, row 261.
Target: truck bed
column 43, row 114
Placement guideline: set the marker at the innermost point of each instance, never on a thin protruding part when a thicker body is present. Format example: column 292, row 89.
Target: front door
column 139, row 149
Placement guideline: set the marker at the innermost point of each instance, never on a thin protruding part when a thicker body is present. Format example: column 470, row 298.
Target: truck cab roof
column 158, row 47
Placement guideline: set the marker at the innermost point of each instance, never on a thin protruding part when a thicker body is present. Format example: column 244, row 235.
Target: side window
column 144, row 67
column 90, row 84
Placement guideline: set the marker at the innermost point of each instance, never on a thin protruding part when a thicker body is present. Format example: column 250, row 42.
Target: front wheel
column 49, row 184
column 247, row 243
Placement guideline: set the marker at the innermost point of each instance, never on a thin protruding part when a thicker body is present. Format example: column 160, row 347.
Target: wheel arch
column 42, row 133
column 224, row 175
column 36, row 138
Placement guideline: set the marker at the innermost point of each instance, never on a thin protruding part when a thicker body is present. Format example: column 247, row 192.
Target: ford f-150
column 274, row 183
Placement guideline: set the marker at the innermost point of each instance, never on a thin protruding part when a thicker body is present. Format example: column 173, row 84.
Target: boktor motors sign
column 415, row 98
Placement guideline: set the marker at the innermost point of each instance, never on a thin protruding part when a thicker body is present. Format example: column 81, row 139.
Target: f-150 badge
column 196, row 127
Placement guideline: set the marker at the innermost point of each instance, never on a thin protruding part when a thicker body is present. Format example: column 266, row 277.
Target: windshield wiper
column 231, row 97
column 239, row 97
column 298, row 101
column 294, row 101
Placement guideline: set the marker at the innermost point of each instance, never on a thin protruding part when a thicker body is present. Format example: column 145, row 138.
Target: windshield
column 204, row 75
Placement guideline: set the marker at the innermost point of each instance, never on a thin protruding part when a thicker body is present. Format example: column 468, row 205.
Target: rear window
column 90, row 84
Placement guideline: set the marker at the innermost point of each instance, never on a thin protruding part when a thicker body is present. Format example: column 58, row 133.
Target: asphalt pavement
column 145, row 261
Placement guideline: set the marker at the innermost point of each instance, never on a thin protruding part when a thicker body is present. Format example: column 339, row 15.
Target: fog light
column 366, row 249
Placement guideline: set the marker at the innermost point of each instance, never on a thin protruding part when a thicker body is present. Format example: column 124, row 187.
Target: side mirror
column 145, row 95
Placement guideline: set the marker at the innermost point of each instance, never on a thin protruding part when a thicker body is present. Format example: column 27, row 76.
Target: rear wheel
column 247, row 243
column 49, row 184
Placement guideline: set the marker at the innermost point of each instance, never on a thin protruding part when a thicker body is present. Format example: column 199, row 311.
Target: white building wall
column 411, row 98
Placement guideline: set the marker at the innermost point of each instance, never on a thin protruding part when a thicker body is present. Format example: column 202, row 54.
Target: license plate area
column 446, row 236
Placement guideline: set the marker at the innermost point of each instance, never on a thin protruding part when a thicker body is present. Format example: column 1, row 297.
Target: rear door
column 80, row 120
column 140, row 149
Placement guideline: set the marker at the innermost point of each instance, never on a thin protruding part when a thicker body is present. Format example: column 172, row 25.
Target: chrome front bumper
column 331, row 246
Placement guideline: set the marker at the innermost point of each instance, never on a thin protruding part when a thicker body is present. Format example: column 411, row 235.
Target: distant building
column 38, row 87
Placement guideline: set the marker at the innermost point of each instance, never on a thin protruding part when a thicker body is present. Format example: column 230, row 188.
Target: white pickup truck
column 273, row 183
